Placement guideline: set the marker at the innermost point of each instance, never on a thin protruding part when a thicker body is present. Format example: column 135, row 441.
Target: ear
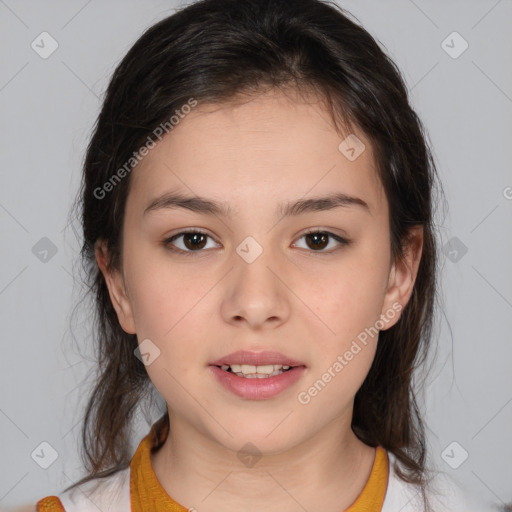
column 116, row 288
column 402, row 277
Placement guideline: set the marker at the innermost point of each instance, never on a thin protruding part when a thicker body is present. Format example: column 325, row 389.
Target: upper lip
column 256, row 359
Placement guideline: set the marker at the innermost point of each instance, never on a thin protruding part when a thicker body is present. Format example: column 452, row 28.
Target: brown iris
column 194, row 241
column 318, row 239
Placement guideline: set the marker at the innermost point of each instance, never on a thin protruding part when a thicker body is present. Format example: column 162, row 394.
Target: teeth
column 267, row 369
column 250, row 371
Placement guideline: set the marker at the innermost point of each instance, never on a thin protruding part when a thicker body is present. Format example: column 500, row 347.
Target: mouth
column 257, row 375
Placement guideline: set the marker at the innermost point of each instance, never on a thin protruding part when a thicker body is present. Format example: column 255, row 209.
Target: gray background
column 48, row 107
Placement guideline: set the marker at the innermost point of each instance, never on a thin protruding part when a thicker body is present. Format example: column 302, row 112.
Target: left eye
column 319, row 240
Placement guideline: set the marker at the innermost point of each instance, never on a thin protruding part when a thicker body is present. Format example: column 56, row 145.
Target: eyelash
column 343, row 242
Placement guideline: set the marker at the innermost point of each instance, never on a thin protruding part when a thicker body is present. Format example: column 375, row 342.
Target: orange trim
column 147, row 495
column 374, row 492
column 50, row 504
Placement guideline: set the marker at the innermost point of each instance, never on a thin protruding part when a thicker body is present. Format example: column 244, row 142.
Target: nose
column 256, row 295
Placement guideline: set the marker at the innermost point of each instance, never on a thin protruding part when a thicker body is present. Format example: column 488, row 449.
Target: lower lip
column 257, row 389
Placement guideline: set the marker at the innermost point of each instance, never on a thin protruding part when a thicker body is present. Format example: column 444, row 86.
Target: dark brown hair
column 216, row 51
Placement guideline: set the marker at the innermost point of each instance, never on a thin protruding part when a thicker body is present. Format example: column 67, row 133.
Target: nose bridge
column 253, row 261
column 255, row 293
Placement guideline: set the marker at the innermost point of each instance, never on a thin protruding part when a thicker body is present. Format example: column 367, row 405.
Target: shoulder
column 445, row 494
column 108, row 494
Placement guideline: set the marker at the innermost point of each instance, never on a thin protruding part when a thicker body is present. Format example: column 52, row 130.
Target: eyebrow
column 288, row 209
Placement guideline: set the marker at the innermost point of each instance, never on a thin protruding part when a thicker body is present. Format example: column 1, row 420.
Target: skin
column 306, row 302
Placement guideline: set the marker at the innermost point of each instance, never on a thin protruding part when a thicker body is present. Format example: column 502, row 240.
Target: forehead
column 269, row 145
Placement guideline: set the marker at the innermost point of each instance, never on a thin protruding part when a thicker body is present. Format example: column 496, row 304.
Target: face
column 246, row 270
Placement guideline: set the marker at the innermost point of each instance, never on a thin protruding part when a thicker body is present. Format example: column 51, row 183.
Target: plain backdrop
column 455, row 57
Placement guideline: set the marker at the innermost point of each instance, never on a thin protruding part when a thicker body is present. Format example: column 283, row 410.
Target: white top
column 109, row 494
column 112, row 494
column 446, row 495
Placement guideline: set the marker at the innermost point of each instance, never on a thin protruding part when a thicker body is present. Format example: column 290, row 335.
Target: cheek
column 353, row 297
column 343, row 355
column 170, row 308
column 350, row 306
column 164, row 295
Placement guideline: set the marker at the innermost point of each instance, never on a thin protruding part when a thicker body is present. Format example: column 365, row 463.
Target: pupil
column 195, row 237
column 318, row 238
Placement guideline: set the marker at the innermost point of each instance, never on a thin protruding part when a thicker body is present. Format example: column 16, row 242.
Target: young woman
column 257, row 210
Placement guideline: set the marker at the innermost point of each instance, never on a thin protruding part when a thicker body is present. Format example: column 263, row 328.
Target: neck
column 327, row 472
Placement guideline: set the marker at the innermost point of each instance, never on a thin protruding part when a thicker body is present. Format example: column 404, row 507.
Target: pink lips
column 257, row 389
column 256, row 359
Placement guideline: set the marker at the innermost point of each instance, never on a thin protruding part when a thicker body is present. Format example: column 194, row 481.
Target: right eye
column 191, row 241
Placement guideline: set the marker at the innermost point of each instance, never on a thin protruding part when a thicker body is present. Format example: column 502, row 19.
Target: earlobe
column 116, row 288
column 403, row 274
